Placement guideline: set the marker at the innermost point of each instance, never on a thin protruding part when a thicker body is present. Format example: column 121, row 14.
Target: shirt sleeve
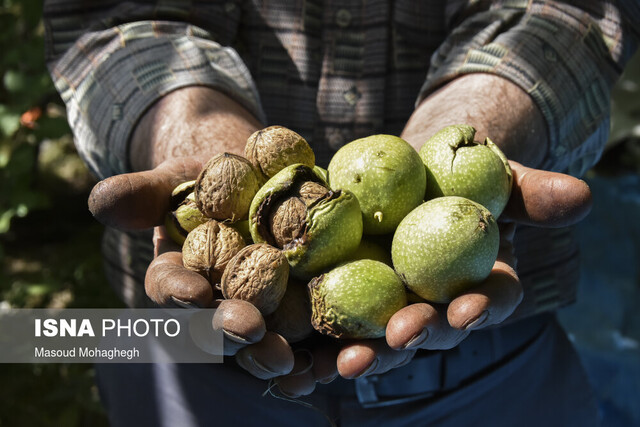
column 110, row 72
column 566, row 55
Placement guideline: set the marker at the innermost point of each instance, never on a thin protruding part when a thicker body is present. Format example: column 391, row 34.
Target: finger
column 548, row 199
column 140, row 200
column 241, row 324
column 169, row 284
column 369, row 357
column 422, row 325
column 162, row 242
column 269, row 358
column 300, row 381
column 325, row 366
column 489, row 303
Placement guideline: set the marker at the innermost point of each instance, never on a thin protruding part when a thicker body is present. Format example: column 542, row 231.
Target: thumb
column 547, row 199
column 141, row 199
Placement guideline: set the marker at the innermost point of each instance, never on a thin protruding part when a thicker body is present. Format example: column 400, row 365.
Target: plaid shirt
column 336, row 70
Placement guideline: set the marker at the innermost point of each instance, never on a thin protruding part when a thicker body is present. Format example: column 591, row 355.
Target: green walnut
column 386, row 175
column 459, row 166
column 225, row 187
column 314, row 226
column 370, row 249
column 273, row 148
column 356, row 299
column 183, row 215
column 444, row 247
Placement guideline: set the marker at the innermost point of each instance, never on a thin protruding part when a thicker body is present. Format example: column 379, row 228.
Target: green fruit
column 444, row 247
column 315, row 229
column 386, row 175
column 370, row 250
column 459, row 166
column 183, row 215
column 356, row 299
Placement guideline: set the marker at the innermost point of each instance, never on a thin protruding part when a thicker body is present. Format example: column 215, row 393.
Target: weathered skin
column 445, row 246
column 459, row 166
column 386, row 175
column 356, row 299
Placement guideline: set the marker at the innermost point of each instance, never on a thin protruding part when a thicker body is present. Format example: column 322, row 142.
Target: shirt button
column 343, row 18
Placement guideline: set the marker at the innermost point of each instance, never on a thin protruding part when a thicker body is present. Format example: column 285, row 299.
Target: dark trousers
column 542, row 383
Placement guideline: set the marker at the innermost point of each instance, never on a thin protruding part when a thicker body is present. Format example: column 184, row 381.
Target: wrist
column 193, row 121
column 496, row 107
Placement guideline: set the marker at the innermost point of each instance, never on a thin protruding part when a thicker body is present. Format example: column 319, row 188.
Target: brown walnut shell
column 286, row 220
column 273, row 148
column 257, row 274
column 310, row 192
column 209, row 247
column 292, row 318
column 225, row 187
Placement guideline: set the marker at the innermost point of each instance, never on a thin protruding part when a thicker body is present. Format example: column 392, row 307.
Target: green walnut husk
column 315, row 227
column 183, row 215
column 459, row 166
column 273, row 148
column 369, row 249
column 386, row 175
column 225, row 187
column 445, row 247
column 356, row 299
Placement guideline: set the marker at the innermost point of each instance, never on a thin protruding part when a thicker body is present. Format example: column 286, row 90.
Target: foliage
column 49, row 243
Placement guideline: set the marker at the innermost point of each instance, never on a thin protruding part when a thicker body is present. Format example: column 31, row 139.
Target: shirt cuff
column 563, row 64
column 108, row 79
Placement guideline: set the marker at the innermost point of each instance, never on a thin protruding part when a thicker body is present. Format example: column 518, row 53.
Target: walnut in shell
column 225, row 187
column 257, row 274
column 310, row 192
column 209, row 247
column 286, row 220
column 273, row 148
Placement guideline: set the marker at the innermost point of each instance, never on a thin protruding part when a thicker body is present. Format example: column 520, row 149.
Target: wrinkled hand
column 538, row 198
column 140, row 200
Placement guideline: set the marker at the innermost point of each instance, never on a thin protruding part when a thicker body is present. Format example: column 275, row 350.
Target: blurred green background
column 49, row 243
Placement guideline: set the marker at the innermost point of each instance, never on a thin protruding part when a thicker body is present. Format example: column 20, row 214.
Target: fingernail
column 327, row 380
column 235, row 337
column 262, row 367
column 369, row 369
column 477, row 322
column 182, row 304
column 303, row 361
column 416, row 340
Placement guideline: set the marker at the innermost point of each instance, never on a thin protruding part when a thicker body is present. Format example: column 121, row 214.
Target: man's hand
column 539, row 198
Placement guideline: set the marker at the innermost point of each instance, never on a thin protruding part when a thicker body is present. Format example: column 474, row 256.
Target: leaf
column 14, row 81
column 9, row 121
